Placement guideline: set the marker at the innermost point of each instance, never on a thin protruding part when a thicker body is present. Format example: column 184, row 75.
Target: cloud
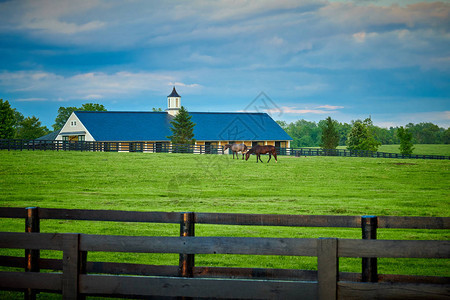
column 50, row 16
column 91, row 85
column 328, row 109
column 332, row 107
column 193, row 85
column 31, row 99
column 56, row 26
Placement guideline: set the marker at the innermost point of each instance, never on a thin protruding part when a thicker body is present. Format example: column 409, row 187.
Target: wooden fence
column 80, row 277
column 33, row 145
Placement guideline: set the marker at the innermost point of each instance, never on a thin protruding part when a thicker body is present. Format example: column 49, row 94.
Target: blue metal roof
column 236, row 127
column 154, row 126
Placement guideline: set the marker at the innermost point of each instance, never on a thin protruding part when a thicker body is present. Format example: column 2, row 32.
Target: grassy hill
column 217, row 183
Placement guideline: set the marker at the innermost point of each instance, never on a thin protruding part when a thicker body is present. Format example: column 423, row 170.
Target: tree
column 361, row 136
column 446, row 136
column 330, row 135
column 65, row 112
column 182, row 128
column 303, row 133
column 7, row 120
column 406, row 145
column 344, row 130
column 157, row 109
column 31, row 128
column 92, row 107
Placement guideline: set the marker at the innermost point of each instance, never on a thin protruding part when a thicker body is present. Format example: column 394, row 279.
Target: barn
column 151, row 129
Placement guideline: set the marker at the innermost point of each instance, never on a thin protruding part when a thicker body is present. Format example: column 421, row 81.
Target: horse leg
column 259, row 157
column 275, row 155
column 233, row 154
column 270, row 156
column 242, row 155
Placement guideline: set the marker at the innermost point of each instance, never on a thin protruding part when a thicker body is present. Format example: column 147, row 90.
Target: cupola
column 173, row 103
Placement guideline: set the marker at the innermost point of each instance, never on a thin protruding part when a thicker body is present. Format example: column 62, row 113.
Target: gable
column 74, row 126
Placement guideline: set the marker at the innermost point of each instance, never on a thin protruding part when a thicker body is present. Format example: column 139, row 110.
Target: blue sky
column 312, row 59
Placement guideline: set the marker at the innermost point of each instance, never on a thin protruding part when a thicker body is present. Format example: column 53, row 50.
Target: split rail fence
column 197, row 149
column 80, row 277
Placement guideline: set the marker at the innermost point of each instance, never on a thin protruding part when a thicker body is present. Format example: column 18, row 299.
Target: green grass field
column 217, row 183
column 419, row 149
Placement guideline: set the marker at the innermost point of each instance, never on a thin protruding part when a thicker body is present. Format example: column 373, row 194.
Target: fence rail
column 80, row 277
column 53, row 145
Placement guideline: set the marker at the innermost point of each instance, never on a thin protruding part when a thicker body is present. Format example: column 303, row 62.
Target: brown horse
column 236, row 148
column 258, row 150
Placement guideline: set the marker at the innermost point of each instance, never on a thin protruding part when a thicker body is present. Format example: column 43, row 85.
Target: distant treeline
column 308, row 134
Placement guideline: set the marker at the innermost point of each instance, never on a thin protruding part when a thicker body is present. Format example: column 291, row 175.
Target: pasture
column 431, row 149
column 217, row 183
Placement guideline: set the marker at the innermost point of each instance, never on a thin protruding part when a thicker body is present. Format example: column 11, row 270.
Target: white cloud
column 332, row 107
column 317, row 111
column 31, row 99
column 92, row 85
column 50, row 16
column 56, row 26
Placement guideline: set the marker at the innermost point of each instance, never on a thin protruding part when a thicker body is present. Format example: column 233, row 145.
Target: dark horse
column 236, row 148
column 258, row 150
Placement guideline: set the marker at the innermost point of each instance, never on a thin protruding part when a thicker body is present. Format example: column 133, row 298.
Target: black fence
column 163, row 147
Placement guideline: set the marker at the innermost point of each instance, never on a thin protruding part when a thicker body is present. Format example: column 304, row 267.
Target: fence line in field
column 197, row 149
column 196, row 281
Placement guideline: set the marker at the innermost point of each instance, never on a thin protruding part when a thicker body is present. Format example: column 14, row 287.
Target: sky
column 388, row 60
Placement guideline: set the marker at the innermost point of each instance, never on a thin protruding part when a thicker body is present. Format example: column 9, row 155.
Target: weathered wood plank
column 23, row 280
column 193, row 287
column 369, row 226
column 216, row 272
column 327, row 268
column 71, row 266
column 109, row 215
column 186, row 261
column 394, row 248
column 255, row 273
column 278, row 220
column 231, row 219
column 200, row 245
column 414, row 222
column 12, row 212
column 413, row 279
column 370, row 290
column 32, row 224
column 44, row 241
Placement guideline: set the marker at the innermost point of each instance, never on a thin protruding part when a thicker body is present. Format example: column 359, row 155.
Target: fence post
column 187, row 261
column 31, row 255
column 327, row 268
column 72, row 266
column 369, row 226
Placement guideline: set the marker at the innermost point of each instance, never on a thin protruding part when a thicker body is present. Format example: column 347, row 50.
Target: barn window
column 73, row 123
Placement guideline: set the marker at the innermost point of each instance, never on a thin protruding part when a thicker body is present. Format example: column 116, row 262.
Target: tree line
column 309, row 134
column 13, row 124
